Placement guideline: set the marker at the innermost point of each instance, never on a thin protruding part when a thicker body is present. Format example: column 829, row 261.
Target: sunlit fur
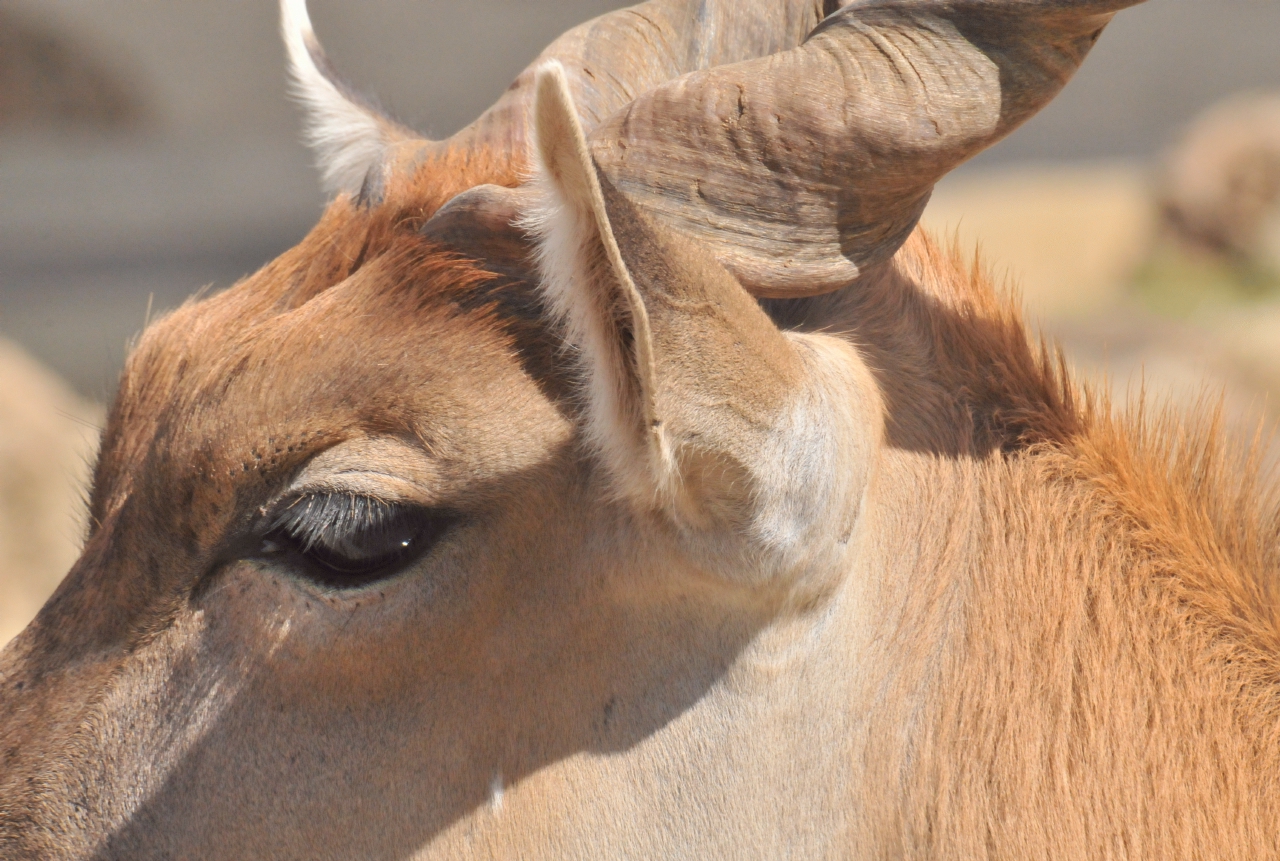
column 1096, row 636
column 1056, row 635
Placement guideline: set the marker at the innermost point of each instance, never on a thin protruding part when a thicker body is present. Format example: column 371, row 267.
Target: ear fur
column 588, row 286
column 756, row 445
column 348, row 136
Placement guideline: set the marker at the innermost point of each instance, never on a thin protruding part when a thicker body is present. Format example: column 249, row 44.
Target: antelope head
column 498, row 517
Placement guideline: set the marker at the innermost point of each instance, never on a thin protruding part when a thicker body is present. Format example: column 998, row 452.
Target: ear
column 587, row 284
column 348, row 135
column 752, row 442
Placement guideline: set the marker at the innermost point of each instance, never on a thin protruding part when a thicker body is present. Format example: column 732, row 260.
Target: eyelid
column 388, row 488
column 289, row 503
column 310, row 517
column 345, row 540
column 386, row 468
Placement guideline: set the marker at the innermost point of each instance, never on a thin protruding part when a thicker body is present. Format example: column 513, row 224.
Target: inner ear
column 588, row 285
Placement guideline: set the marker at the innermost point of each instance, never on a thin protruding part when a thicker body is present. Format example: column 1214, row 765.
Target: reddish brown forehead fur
column 314, row 345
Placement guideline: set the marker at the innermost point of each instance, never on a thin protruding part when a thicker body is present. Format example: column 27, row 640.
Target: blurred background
column 148, row 150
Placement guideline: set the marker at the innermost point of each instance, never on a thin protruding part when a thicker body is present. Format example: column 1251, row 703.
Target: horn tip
column 294, row 17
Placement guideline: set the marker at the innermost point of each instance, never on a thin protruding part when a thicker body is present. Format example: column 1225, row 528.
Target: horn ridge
column 803, row 169
column 610, row 60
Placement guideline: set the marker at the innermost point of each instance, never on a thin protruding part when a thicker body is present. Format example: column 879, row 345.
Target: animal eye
column 347, row 540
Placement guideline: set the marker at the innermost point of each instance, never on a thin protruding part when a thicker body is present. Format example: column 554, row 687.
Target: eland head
column 621, row 477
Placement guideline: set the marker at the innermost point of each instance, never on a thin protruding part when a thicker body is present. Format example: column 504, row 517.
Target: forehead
column 339, row 339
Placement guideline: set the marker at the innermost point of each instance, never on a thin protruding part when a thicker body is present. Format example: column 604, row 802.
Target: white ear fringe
column 347, row 138
column 574, row 264
column 802, row 480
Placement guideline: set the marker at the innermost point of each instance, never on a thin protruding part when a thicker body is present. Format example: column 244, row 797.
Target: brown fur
column 1097, row 642
column 1076, row 654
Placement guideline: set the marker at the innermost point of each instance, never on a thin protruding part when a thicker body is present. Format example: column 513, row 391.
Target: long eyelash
column 310, row 518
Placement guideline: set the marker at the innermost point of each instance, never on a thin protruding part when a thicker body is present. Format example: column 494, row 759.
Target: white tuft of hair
column 347, row 136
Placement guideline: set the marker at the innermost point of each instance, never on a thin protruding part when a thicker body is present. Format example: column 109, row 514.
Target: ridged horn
column 611, row 60
column 608, row 62
column 802, row 169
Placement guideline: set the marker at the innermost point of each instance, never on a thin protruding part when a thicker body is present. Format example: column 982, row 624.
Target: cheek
column 314, row 648
column 490, row 608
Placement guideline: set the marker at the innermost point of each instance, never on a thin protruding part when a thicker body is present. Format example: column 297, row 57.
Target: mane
column 1101, row 618
column 1203, row 508
column 1197, row 498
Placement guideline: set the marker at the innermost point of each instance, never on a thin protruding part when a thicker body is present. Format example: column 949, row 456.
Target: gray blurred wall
column 208, row 181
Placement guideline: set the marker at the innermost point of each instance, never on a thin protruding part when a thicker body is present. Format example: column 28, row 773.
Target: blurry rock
column 1220, row 188
column 1076, row 240
column 48, row 437
column 49, row 79
column 1068, row 235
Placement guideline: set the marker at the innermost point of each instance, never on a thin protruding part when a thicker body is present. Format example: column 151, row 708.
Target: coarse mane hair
column 1087, row 552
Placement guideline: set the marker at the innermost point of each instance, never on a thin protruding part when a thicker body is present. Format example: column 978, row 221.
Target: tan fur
column 913, row 592
column 1092, row 665
column 1074, row 638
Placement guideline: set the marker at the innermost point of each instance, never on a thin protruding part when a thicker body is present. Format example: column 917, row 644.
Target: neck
column 1069, row 633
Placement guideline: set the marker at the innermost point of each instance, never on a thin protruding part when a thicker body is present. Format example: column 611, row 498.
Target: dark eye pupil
column 344, row 541
column 359, row 552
